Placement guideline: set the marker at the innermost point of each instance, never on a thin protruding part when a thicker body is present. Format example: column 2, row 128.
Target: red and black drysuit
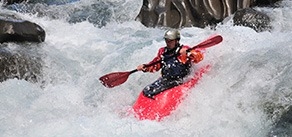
column 174, row 67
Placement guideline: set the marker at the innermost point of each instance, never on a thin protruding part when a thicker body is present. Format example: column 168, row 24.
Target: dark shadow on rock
column 269, row 3
column 8, row 2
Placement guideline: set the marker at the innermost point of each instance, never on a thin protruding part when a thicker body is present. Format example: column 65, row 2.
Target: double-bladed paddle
column 117, row 78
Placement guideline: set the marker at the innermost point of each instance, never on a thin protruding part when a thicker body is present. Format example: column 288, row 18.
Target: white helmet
column 172, row 34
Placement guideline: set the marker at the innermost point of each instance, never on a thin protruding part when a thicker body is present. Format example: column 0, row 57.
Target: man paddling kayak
column 175, row 64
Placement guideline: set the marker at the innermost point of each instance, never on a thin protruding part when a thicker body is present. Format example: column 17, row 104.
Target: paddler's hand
column 183, row 51
column 183, row 55
column 196, row 56
column 141, row 67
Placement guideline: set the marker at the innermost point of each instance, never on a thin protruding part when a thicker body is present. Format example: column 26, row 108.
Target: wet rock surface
column 200, row 13
column 14, row 29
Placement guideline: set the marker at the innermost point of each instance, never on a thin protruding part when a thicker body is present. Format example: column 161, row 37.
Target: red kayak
column 164, row 103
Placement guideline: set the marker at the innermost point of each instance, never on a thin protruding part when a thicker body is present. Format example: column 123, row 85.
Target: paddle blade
column 114, row 79
column 213, row 40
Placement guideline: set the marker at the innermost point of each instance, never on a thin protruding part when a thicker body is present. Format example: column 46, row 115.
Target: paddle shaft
column 204, row 44
column 117, row 78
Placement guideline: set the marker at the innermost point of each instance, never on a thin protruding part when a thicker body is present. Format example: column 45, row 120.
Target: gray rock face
column 20, row 31
column 198, row 13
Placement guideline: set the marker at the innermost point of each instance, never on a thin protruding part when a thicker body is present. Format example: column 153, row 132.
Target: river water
column 248, row 86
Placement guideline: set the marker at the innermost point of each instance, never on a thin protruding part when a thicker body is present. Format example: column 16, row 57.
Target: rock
column 283, row 127
column 198, row 13
column 176, row 14
column 251, row 18
column 8, row 2
column 22, row 60
column 14, row 29
column 20, row 65
column 266, row 2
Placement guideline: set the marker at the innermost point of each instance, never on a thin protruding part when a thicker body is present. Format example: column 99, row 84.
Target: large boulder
column 175, row 13
column 13, row 29
column 198, row 13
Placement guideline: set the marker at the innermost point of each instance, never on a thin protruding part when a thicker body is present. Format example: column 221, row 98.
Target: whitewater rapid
column 250, row 72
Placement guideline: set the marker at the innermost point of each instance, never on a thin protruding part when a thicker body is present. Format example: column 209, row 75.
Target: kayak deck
column 164, row 103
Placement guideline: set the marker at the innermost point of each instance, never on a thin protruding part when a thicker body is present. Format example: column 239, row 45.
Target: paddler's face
column 171, row 43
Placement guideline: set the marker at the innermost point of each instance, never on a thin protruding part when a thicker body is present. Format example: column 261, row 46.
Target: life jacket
column 172, row 68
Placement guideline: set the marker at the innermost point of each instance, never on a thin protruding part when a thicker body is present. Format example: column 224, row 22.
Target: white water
column 249, row 70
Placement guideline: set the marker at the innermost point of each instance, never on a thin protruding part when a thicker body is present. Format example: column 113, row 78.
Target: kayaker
column 173, row 68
